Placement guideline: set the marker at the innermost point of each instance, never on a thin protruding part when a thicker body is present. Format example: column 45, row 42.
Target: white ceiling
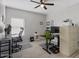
column 27, row 5
column 61, row 5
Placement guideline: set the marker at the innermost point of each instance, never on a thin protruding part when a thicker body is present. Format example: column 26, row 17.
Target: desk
column 14, row 35
column 57, row 41
column 56, row 33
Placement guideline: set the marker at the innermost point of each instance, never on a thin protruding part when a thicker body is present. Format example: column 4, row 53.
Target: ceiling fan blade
column 41, row 1
column 45, row 7
column 35, row 2
column 45, row 0
column 49, row 3
column 37, row 6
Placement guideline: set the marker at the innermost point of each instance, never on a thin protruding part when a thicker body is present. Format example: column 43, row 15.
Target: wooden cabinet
column 68, row 40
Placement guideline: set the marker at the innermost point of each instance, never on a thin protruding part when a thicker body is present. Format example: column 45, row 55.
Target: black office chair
column 15, row 40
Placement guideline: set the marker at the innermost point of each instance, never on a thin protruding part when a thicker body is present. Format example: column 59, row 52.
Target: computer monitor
column 55, row 29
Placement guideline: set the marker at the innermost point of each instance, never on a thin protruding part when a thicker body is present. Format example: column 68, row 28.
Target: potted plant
column 47, row 37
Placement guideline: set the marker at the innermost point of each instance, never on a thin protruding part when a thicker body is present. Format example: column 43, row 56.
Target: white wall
column 0, row 7
column 24, row 5
column 71, row 12
column 2, row 26
column 0, row 1
column 32, row 20
column 54, row 12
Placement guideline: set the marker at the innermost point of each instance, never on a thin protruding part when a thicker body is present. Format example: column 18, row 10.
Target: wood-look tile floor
column 36, row 51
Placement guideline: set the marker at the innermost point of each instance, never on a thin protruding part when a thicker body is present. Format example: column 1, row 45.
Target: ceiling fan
column 43, row 4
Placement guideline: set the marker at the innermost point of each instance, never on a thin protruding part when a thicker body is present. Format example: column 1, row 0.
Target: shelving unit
column 49, row 24
column 5, row 48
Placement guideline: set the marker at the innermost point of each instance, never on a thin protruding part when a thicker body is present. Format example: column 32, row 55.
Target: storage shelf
column 5, row 48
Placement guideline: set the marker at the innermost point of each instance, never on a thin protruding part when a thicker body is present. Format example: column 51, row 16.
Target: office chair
column 15, row 42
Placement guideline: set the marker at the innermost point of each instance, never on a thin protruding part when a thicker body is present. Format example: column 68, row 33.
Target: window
column 16, row 23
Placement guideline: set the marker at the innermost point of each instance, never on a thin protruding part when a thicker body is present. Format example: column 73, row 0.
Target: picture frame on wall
column 41, row 23
column 48, row 23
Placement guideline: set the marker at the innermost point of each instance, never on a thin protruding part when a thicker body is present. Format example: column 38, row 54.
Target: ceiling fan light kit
column 42, row 4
